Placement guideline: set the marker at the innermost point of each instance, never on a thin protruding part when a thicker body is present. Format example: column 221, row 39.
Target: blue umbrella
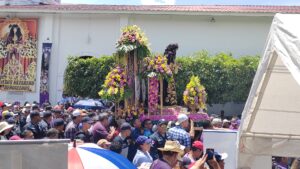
column 89, row 104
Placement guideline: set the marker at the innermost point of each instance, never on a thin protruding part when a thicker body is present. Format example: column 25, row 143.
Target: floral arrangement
column 158, row 65
column 171, row 97
column 115, row 85
column 131, row 113
column 153, row 93
column 194, row 95
column 132, row 38
column 155, row 68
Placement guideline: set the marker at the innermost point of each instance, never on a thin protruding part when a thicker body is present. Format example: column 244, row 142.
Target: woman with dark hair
column 15, row 35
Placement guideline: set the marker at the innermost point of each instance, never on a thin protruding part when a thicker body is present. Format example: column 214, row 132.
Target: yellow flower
column 151, row 62
column 116, row 90
column 110, row 90
column 101, row 93
column 194, row 93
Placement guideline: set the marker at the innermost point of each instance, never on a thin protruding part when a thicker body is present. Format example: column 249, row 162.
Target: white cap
column 223, row 156
column 216, row 120
column 181, row 118
column 76, row 113
column 27, row 105
column 226, row 121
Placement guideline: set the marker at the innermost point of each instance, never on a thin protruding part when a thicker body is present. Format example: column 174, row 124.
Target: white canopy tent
column 270, row 123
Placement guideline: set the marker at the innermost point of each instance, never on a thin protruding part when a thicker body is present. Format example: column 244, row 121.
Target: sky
column 185, row 2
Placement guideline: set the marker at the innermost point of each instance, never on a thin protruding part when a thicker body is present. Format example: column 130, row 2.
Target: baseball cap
column 186, row 161
column 34, row 114
column 11, row 120
column 226, row 121
column 87, row 120
column 181, row 118
column 198, row 145
column 7, row 114
column 47, row 114
column 143, row 139
column 27, row 105
column 76, row 113
column 220, row 156
column 125, row 126
column 162, row 121
column 58, row 122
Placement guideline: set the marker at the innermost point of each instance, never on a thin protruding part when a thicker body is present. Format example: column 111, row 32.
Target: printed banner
column 18, row 54
column 44, row 85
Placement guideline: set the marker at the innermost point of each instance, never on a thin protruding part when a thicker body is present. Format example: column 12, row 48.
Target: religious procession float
column 142, row 85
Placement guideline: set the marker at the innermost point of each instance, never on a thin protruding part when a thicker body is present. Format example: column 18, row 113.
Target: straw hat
column 173, row 146
column 4, row 125
column 103, row 141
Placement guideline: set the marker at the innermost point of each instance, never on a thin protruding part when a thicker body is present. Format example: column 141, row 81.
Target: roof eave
column 138, row 12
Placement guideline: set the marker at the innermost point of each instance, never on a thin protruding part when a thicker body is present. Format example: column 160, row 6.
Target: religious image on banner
column 44, row 83
column 18, row 54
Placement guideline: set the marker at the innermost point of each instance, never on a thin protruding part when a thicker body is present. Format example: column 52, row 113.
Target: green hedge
column 225, row 78
column 84, row 77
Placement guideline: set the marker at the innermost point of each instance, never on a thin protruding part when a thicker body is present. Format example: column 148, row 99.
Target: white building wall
column 96, row 34
column 240, row 35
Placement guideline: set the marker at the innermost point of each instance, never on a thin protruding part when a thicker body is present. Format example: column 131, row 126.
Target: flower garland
column 157, row 64
column 195, row 94
column 114, row 85
column 133, row 38
column 153, row 93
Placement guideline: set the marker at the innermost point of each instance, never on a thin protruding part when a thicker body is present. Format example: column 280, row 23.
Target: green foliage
column 84, row 77
column 224, row 77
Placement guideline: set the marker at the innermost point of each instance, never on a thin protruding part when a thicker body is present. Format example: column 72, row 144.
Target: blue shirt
column 177, row 133
column 136, row 133
column 147, row 132
column 141, row 157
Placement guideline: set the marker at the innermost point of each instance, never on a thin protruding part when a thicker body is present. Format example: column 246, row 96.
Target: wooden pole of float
column 161, row 95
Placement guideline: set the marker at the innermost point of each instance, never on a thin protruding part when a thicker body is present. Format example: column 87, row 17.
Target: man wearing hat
column 73, row 126
column 59, row 125
column 170, row 155
column 196, row 151
column 84, row 127
column 104, row 144
column 57, row 112
column 122, row 138
column 38, row 130
column 159, row 138
column 47, row 119
column 5, row 129
column 179, row 132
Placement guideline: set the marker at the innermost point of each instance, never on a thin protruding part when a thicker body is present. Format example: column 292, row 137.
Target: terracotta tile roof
column 155, row 8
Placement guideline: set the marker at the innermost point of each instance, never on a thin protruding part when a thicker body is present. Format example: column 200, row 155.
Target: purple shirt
column 159, row 164
column 99, row 132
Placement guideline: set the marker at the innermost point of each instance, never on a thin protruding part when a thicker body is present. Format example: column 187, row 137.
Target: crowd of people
column 147, row 144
